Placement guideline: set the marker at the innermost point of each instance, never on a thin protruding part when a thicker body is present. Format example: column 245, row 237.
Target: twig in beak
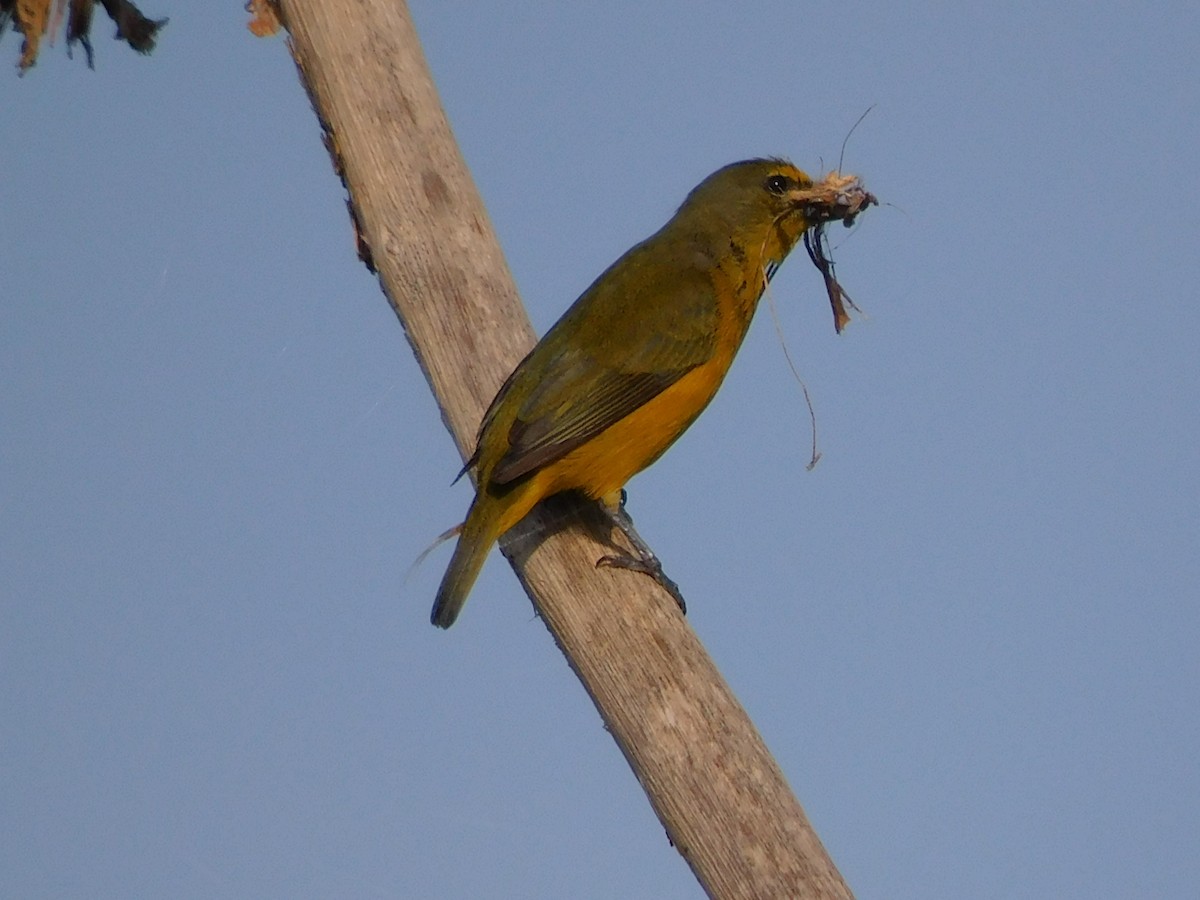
column 815, row 243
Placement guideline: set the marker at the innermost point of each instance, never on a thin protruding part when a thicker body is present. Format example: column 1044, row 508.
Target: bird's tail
column 474, row 543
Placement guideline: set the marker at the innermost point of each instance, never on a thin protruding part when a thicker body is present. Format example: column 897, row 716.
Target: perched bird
column 639, row 356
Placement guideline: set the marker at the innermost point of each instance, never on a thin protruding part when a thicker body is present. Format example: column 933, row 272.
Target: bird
column 637, row 357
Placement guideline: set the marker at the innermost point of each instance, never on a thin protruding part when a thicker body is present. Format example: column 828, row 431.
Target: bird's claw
column 651, row 567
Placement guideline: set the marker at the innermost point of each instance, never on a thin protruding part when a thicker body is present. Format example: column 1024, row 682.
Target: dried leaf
column 266, row 17
column 79, row 27
column 133, row 27
column 33, row 19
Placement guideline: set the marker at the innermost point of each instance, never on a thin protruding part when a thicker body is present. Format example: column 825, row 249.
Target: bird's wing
column 653, row 334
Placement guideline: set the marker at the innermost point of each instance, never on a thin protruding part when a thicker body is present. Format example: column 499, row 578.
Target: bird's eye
column 777, row 184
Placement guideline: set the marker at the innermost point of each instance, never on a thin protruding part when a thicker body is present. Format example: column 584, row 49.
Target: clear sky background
column 969, row 635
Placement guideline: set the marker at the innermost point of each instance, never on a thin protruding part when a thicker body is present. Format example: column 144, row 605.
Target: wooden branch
column 720, row 795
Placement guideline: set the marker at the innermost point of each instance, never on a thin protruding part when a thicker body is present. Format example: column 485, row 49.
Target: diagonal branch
column 721, row 797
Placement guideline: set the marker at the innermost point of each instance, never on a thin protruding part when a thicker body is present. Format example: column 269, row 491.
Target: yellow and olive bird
column 638, row 357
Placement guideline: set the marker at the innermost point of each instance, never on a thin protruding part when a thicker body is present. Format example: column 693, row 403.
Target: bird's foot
column 647, row 566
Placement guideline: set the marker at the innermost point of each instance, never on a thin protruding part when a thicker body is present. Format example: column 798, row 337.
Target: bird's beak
column 838, row 198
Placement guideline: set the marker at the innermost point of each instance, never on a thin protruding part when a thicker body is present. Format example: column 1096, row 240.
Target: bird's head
column 758, row 194
column 756, row 211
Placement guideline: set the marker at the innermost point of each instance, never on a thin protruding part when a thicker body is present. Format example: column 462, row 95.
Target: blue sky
column 968, row 635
